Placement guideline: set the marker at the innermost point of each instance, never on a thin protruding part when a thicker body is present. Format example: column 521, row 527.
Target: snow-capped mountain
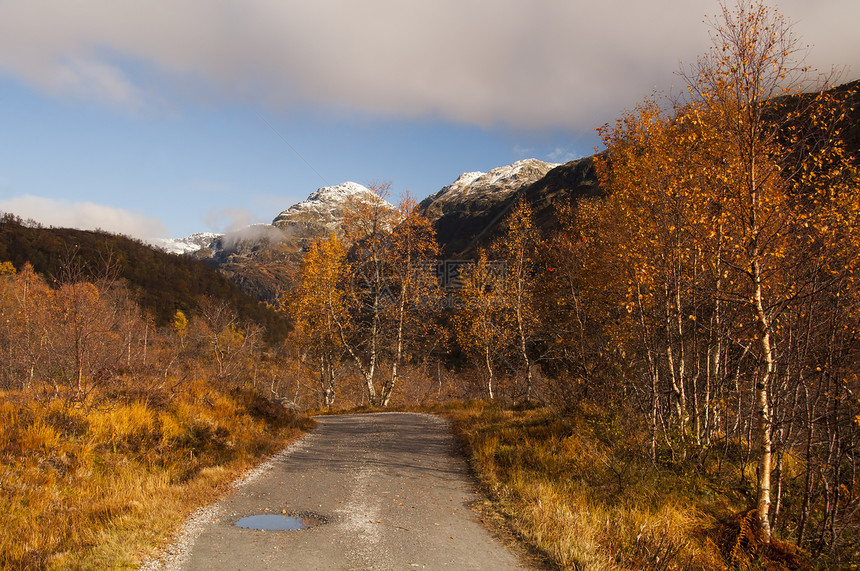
column 322, row 211
column 262, row 258
column 189, row 244
column 478, row 190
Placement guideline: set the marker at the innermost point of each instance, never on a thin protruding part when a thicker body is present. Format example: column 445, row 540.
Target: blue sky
column 158, row 119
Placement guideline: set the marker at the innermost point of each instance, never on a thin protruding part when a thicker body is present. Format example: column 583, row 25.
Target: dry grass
column 98, row 483
column 579, row 491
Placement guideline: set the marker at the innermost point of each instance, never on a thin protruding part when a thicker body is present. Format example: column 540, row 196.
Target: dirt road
column 391, row 487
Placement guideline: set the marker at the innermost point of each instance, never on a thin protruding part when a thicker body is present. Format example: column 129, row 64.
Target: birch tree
column 482, row 321
column 413, row 240
column 517, row 247
column 318, row 307
column 749, row 182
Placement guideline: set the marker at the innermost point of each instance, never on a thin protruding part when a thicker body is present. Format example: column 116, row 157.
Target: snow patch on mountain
column 492, row 186
column 325, row 207
column 189, row 244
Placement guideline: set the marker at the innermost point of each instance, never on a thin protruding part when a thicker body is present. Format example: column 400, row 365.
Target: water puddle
column 279, row 522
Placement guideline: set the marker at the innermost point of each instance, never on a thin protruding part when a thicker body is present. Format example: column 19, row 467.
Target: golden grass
column 98, row 484
column 586, row 499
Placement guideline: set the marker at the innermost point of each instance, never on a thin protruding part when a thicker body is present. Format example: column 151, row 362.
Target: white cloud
column 251, row 235
column 95, row 79
column 561, row 63
column 521, row 151
column 84, row 216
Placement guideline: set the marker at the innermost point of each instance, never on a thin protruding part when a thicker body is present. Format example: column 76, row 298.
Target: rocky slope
column 474, row 192
column 321, row 213
column 467, row 213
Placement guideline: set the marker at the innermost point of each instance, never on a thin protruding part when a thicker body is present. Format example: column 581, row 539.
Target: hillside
column 162, row 282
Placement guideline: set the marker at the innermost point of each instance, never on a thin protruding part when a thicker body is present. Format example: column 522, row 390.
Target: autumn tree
column 83, row 320
column 367, row 225
column 413, row 241
column 569, row 312
column 517, row 248
column 319, row 308
column 231, row 340
column 180, row 325
column 483, row 322
column 25, row 305
column 730, row 198
column 384, row 293
column 772, row 179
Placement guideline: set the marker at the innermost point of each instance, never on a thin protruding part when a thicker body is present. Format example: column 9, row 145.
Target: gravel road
column 391, row 487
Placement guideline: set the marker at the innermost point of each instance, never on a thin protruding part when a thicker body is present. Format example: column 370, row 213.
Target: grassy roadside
column 580, row 491
column 97, row 483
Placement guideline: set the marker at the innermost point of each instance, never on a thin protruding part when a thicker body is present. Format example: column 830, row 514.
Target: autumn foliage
column 709, row 298
column 723, row 254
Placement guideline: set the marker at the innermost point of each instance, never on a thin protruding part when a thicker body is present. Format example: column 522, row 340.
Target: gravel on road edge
column 174, row 554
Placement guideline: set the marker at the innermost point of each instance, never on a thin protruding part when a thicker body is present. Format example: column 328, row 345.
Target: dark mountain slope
column 473, row 225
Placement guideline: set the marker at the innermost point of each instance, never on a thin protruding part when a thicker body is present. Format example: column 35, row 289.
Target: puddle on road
column 278, row 522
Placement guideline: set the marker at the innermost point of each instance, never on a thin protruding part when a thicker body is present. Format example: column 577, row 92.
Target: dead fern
column 744, row 546
column 748, row 541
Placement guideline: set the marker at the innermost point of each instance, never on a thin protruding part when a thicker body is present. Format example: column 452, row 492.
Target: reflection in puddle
column 277, row 522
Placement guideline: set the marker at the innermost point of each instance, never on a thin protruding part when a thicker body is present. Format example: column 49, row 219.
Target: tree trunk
column 762, row 408
column 522, row 333
column 489, row 372
column 398, row 351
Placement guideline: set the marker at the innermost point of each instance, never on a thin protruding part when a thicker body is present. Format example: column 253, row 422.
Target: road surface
column 393, row 491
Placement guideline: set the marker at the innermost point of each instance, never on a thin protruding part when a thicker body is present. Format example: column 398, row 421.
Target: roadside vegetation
column 98, row 482
column 581, row 492
column 113, row 430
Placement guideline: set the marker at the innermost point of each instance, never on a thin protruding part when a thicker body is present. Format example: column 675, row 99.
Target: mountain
column 466, row 213
column 474, row 192
column 322, row 212
column 263, row 259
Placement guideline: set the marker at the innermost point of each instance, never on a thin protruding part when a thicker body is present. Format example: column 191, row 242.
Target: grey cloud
column 539, row 63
